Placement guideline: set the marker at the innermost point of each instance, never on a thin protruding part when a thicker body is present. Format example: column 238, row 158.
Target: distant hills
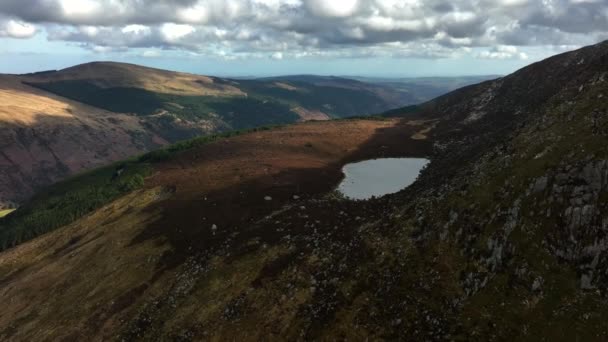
column 59, row 122
column 422, row 89
column 503, row 237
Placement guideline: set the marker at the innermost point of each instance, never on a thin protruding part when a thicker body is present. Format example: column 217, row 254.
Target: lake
column 379, row 177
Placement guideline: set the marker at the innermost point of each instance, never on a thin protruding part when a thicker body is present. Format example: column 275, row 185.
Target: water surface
column 379, row 177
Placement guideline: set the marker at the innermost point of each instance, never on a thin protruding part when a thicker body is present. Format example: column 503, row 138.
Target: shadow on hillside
column 42, row 149
column 187, row 223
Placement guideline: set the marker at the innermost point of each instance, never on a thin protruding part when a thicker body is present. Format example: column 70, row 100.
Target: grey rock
column 586, row 279
column 540, row 185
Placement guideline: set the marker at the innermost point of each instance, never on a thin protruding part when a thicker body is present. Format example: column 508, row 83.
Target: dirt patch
column 423, row 133
column 285, row 86
column 309, row 115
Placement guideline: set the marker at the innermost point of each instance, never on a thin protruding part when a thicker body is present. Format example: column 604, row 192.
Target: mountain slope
column 503, row 237
column 423, row 89
column 217, row 181
column 526, row 204
column 146, row 91
column 390, row 93
column 123, row 75
column 44, row 138
column 58, row 123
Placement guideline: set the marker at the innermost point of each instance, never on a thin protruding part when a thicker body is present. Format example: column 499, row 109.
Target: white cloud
column 102, row 49
column 333, row 8
column 90, row 31
column 195, row 14
column 503, row 52
column 81, row 8
column 151, row 53
column 297, row 28
column 174, row 32
column 16, row 29
column 135, row 28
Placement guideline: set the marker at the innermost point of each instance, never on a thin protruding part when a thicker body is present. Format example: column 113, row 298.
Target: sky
column 384, row 38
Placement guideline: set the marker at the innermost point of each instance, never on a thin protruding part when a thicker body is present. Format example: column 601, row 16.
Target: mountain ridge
column 160, row 106
column 502, row 237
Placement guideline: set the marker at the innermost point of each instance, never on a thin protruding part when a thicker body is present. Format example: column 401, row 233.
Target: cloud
column 175, row 32
column 503, row 52
column 16, row 29
column 338, row 9
column 299, row 28
column 151, row 53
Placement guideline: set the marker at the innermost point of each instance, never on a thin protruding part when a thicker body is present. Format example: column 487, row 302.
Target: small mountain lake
column 379, row 177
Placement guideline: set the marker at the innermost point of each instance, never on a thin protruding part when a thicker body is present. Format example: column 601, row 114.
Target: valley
column 242, row 236
column 198, row 193
column 45, row 138
column 55, row 124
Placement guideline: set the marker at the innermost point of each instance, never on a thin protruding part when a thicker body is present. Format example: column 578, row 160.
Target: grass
column 171, row 151
column 119, row 99
column 542, row 147
column 69, row 200
column 335, row 101
column 237, row 112
column 5, row 212
column 401, row 112
column 66, row 201
column 265, row 104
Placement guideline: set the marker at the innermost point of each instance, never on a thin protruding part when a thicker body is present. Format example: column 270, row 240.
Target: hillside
column 122, row 75
column 235, row 104
column 503, row 237
column 45, row 138
column 58, row 123
column 206, row 184
column 422, row 89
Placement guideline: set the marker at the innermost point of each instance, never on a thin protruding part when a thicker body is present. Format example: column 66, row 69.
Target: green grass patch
column 172, row 151
column 118, row 99
column 237, row 112
column 69, row 200
column 5, row 212
column 402, row 112
column 336, row 101
column 66, row 201
column 265, row 103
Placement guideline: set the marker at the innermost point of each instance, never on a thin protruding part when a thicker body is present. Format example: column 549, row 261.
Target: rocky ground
column 501, row 238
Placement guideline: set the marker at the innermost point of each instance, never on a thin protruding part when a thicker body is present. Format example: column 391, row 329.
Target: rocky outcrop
column 518, row 164
column 503, row 237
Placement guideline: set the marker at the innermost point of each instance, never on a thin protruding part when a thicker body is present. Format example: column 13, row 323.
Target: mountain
column 402, row 91
column 390, row 94
column 59, row 123
column 45, row 138
column 503, row 236
column 421, row 89
column 146, row 91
